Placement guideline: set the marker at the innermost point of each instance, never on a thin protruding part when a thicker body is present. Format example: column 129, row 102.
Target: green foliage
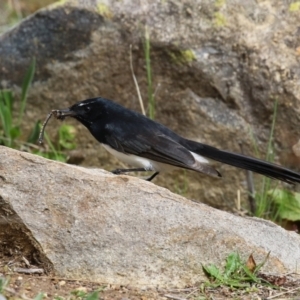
column 93, row 296
column 65, row 141
column 219, row 19
column 39, row 296
column 236, row 273
column 273, row 203
column 262, row 199
column 81, row 295
column 288, row 204
column 11, row 130
column 104, row 10
column 220, row 3
column 295, row 6
column 182, row 57
column 3, row 284
column 66, row 135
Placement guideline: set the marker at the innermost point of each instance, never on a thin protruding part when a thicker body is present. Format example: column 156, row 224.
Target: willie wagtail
column 150, row 146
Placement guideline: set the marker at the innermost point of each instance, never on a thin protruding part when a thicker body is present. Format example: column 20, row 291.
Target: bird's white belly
column 136, row 161
column 148, row 164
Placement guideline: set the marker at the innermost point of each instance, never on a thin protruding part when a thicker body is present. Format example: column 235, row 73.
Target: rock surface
column 217, row 67
column 90, row 224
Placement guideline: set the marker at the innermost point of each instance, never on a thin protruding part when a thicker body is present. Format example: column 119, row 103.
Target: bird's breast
column 135, row 161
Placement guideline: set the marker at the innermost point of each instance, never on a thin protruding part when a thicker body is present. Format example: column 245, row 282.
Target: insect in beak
column 59, row 114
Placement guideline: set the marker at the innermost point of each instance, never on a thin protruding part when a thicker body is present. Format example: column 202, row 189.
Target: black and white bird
column 150, row 146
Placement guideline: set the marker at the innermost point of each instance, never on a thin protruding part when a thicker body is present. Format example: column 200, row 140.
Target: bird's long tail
column 245, row 162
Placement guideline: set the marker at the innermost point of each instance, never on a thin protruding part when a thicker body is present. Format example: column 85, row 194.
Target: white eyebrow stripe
column 82, row 104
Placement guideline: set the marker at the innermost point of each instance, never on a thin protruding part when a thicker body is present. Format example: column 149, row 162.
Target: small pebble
column 62, row 283
column 81, row 289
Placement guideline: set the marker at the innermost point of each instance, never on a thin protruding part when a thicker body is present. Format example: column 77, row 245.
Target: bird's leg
column 152, row 176
column 122, row 171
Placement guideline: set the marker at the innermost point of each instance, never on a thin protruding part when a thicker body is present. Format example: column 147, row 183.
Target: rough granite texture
column 90, row 224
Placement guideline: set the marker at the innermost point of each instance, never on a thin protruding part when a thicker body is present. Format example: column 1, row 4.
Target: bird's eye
column 87, row 108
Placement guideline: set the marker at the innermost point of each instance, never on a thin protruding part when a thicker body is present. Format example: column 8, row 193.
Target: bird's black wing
column 157, row 147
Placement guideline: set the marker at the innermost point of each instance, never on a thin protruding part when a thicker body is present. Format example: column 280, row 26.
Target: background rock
column 90, row 224
column 217, row 67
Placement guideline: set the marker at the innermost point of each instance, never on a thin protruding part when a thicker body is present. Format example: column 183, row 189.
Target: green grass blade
column 8, row 98
column 249, row 276
column 6, row 121
column 54, row 154
column 8, row 111
column 26, row 83
column 151, row 99
column 34, row 134
column 260, row 265
column 50, row 144
column 6, row 118
column 2, row 111
column 263, row 201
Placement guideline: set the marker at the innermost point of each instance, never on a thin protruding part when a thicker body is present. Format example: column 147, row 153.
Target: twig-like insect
column 56, row 113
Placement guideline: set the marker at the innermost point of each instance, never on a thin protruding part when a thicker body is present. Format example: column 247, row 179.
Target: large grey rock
column 90, row 224
column 219, row 66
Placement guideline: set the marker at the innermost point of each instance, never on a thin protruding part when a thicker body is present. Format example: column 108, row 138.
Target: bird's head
column 86, row 111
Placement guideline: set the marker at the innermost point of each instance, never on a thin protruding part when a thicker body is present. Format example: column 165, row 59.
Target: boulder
column 92, row 225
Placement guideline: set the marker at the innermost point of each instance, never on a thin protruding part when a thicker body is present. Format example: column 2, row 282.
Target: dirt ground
column 28, row 274
column 28, row 286
column 24, row 286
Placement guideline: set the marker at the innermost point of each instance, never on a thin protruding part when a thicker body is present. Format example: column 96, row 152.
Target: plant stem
column 263, row 203
column 149, row 75
column 136, row 83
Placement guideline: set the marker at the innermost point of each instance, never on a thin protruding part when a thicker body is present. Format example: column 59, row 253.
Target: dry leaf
column 251, row 265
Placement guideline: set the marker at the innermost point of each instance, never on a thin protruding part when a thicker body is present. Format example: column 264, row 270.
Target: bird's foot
column 152, row 176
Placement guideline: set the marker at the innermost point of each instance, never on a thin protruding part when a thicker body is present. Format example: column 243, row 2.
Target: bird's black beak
column 62, row 113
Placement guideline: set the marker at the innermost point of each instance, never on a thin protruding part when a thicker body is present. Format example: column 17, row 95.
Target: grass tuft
column 236, row 273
